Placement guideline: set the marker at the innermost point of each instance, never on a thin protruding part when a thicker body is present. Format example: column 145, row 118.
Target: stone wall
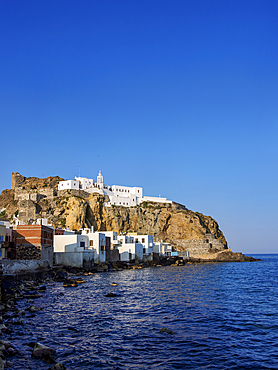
column 34, row 195
column 19, row 267
column 201, row 248
column 17, row 180
column 28, row 252
column 73, row 192
column 34, row 182
column 27, row 210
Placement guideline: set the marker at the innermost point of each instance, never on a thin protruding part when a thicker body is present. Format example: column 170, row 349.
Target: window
column 120, row 202
column 136, row 240
column 91, row 243
column 144, row 250
column 138, row 191
column 82, row 244
column 143, row 240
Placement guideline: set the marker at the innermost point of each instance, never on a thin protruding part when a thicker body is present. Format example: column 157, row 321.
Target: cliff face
column 168, row 222
column 164, row 222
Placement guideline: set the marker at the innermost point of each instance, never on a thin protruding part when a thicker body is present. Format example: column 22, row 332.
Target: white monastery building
column 119, row 195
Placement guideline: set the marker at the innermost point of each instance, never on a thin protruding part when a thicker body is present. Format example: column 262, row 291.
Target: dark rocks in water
column 42, row 288
column 33, row 308
column 60, row 275
column 73, row 329
column 111, row 295
column 7, row 349
column 68, row 283
column 58, row 366
column 32, row 295
column 165, row 330
column 18, row 322
column 43, row 352
column 61, row 293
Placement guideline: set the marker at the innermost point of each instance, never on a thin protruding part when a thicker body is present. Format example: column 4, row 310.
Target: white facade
column 124, row 196
column 68, row 184
column 96, row 243
column 164, row 249
column 145, row 240
column 131, row 251
column 70, row 243
column 72, row 250
column 85, row 183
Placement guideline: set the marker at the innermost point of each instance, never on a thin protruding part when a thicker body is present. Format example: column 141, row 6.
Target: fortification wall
column 200, row 248
column 77, row 193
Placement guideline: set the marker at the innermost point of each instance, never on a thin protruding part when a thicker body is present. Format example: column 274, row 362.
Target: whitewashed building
column 68, row 184
column 164, row 249
column 96, row 243
column 131, row 251
column 119, row 195
column 73, row 251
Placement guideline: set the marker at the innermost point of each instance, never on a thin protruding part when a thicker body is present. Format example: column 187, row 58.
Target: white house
column 96, row 243
column 68, row 184
column 131, row 251
column 164, row 249
column 73, row 251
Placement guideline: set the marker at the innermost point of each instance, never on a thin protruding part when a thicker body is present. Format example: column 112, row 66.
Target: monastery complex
column 119, row 195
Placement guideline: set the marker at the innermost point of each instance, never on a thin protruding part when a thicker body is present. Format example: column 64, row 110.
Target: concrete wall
column 12, row 267
column 82, row 259
column 155, row 199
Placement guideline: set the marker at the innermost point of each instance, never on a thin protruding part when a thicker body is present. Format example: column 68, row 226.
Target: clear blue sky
column 179, row 97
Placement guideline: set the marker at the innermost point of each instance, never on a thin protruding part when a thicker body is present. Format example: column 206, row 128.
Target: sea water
column 222, row 315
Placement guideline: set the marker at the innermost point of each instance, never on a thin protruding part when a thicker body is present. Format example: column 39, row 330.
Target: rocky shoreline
column 29, row 287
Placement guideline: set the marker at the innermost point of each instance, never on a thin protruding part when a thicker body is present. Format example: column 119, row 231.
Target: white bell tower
column 100, row 180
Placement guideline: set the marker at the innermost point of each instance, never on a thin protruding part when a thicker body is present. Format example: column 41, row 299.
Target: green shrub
column 2, row 214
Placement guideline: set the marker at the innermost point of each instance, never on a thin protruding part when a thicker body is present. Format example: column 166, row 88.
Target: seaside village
column 37, row 241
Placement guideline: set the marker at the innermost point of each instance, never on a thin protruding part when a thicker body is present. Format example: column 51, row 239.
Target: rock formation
column 172, row 223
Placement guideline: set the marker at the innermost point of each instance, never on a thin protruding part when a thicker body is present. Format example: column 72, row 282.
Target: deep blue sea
column 223, row 315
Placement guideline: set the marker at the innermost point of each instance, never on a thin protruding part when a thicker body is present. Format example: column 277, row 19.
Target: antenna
column 79, row 171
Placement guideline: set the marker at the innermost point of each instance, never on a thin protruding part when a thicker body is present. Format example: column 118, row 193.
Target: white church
column 119, row 195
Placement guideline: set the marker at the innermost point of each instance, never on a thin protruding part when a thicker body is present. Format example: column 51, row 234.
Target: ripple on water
column 222, row 316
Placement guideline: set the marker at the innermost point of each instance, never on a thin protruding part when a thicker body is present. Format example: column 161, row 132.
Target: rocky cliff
column 172, row 223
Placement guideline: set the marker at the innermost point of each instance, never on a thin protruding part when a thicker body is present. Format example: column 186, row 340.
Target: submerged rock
column 43, row 352
column 111, row 295
column 165, row 330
